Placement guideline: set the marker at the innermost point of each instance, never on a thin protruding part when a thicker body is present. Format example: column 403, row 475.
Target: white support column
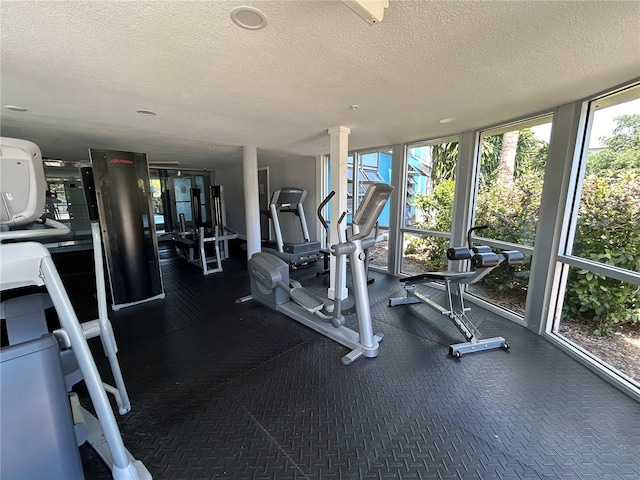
column 338, row 153
column 251, row 198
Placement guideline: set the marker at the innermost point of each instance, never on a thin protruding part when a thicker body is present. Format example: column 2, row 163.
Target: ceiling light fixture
column 354, row 107
column 15, row 108
column 145, row 112
column 249, row 18
column 447, row 120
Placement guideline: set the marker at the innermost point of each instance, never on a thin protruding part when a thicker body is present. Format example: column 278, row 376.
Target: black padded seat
column 441, row 276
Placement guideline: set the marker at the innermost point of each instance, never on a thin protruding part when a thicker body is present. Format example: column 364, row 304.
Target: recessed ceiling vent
column 249, row 18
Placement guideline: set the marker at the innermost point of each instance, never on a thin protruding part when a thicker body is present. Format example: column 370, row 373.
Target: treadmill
column 289, row 200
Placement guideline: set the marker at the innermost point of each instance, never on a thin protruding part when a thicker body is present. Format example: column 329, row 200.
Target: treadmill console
column 22, row 182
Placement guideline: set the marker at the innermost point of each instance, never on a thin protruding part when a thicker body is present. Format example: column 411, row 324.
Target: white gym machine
column 217, row 236
column 27, row 263
column 221, row 234
column 271, row 286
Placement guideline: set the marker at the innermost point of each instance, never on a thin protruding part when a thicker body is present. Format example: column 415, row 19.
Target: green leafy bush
column 437, row 210
column 608, row 227
column 512, row 214
column 607, row 232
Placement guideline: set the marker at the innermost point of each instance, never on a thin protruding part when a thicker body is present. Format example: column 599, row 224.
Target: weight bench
column 483, row 260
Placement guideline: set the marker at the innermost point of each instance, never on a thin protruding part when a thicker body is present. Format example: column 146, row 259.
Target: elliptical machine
column 271, row 286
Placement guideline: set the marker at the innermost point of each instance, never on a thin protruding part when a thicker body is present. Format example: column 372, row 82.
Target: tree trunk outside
column 507, row 158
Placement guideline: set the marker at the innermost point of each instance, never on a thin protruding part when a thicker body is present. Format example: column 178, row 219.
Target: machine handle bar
column 473, row 229
column 321, row 207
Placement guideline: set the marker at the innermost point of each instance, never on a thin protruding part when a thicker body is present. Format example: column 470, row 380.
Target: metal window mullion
column 432, row 233
column 355, row 202
column 500, row 245
column 610, row 271
column 464, row 193
column 544, row 276
column 396, row 209
column 574, row 193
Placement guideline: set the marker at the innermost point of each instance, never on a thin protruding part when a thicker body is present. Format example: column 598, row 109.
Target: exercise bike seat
column 442, row 276
column 306, row 299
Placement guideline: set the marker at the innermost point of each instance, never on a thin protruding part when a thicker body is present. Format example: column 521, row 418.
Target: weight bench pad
column 444, row 276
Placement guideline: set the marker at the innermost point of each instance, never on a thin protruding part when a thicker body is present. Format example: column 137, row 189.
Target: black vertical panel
column 167, row 206
column 196, row 208
column 89, row 187
column 128, row 232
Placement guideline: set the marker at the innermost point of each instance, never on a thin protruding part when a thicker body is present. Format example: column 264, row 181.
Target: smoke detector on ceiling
column 371, row 11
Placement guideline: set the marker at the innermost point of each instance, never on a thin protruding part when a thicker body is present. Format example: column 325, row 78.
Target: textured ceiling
column 82, row 69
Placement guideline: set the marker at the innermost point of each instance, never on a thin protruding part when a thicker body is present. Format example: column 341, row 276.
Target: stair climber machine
column 271, row 286
column 484, row 261
column 42, row 422
column 289, row 200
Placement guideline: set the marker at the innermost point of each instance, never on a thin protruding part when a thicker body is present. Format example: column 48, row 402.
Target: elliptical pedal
column 306, row 299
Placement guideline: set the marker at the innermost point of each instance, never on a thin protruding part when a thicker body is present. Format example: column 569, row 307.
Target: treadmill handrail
column 56, row 229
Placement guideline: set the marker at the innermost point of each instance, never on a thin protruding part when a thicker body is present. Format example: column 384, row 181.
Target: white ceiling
column 82, row 69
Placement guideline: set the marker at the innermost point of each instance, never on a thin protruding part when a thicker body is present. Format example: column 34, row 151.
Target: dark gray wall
column 299, row 173
column 231, row 179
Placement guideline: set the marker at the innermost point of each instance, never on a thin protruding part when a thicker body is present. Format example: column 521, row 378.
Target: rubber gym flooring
column 236, row 391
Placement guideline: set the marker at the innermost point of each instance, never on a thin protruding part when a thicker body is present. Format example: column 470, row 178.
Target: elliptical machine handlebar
column 324, row 202
column 342, row 233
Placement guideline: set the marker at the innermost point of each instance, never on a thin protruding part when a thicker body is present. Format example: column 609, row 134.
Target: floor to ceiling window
column 178, row 196
column 157, row 202
column 428, row 204
column 598, row 288
column 65, row 200
column 371, row 166
column 182, row 195
column 509, row 181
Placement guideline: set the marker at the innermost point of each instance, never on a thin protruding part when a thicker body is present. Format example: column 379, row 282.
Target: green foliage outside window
column 622, row 152
column 607, row 230
column 437, row 209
